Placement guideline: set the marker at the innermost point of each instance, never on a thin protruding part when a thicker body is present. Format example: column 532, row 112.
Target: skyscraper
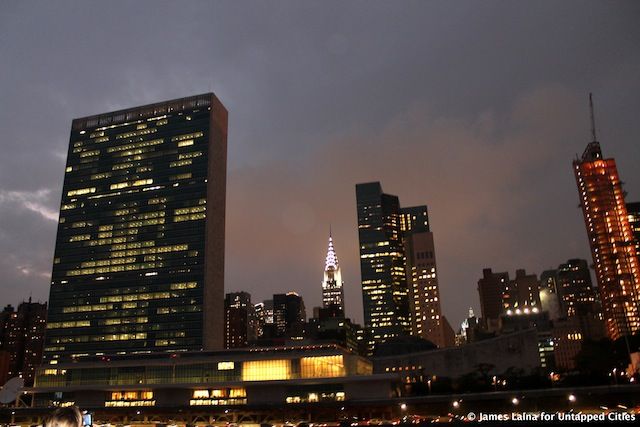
column 23, row 338
column 610, row 237
column 259, row 313
column 5, row 317
column 491, row 289
column 501, row 296
column 549, row 299
column 289, row 314
column 139, row 257
column 332, row 284
column 382, row 267
column 549, row 281
column 522, row 293
column 422, row 275
column 239, row 319
column 633, row 212
column 577, row 296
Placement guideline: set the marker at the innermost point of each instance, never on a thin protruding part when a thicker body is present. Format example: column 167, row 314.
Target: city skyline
column 492, row 162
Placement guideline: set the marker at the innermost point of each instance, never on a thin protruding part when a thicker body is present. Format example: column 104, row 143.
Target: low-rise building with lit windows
column 569, row 336
column 264, row 376
column 517, row 350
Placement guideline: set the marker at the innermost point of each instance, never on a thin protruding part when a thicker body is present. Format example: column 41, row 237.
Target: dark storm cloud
column 475, row 109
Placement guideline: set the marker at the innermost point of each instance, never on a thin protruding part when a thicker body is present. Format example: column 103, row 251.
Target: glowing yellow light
column 225, row 366
column 322, row 367
column 266, row 370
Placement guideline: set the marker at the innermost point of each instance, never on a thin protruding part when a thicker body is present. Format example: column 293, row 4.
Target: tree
column 596, row 358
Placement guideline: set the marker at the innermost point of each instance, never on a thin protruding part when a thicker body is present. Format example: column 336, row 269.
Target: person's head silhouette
column 69, row 416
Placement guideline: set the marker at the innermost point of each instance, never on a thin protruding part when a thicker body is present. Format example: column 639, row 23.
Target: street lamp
column 572, row 398
column 515, row 401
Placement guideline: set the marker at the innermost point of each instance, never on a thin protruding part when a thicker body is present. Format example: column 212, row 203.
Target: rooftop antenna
column 593, row 119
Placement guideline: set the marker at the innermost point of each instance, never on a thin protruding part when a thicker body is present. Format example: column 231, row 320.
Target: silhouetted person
column 69, row 416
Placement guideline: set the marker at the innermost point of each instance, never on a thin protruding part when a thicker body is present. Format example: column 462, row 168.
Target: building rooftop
column 144, row 111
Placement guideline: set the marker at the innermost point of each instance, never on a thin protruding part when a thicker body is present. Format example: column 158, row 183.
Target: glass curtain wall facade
column 174, row 371
column 382, row 264
column 139, row 257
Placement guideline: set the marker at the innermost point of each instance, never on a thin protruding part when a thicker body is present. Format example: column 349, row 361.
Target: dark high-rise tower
column 240, row 323
column 139, row 258
column 23, row 338
column 577, row 296
column 610, row 237
column 492, row 288
column 289, row 314
column 382, row 266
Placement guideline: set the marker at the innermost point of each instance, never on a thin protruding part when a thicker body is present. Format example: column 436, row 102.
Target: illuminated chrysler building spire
column 332, row 292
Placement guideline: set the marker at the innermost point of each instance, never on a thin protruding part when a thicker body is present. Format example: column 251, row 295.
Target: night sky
column 473, row 108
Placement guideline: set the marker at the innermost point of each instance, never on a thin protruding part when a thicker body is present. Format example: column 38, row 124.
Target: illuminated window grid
column 267, row 370
column 382, row 265
column 322, row 367
column 225, row 396
column 119, row 195
column 130, row 398
column 610, row 234
column 217, row 402
column 314, row 397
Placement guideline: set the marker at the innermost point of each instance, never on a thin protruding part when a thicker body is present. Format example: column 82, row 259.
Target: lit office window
column 322, row 366
column 266, row 370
